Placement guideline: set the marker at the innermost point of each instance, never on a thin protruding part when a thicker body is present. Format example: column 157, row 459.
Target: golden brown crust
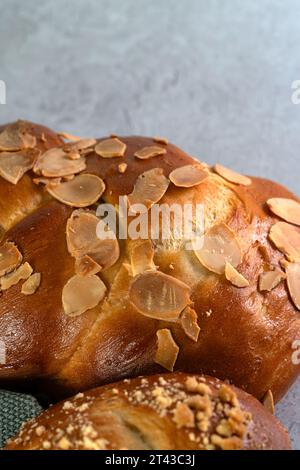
column 170, row 412
column 246, row 335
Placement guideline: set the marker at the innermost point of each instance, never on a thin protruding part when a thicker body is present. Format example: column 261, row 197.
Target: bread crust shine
column 246, row 335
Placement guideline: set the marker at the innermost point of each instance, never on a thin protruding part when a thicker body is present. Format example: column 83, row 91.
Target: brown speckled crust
column 141, row 414
column 247, row 337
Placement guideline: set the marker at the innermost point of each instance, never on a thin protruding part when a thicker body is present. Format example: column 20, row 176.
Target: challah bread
column 162, row 412
column 88, row 312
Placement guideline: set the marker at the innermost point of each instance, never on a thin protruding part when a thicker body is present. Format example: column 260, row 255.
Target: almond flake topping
column 284, row 263
column 84, row 232
column 86, row 265
column 293, row 282
column 32, row 284
column 188, row 175
column 149, row 152
column 233, row 276
column 29, row 141
column 157, row 295
column 286, row 209
column 67, row 136
column 79, row 145
column 149, row 188
column 82, row 191
column 268, row 402
column 167, row 350
column 231, row 175
column 189, row 323
column 111, row 148
column 11, row 279
column 56, row 162
column 72, row 155
column 14, row 165
column 47, row 181
column 68, row 178
column 82, row 293
column 15, row 137
column 270, row 279
column 287, row 239
column 141, row 257
column 10, row 258
column 161, row 140
column 220, row 245
column 122, row 167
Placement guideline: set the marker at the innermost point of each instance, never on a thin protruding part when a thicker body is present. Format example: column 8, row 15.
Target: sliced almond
column 188, row 176
column 14, row 165
column 79, row 145
column 81, row 293
column 87, row 151
column 32, row 284
column 122, row 167
column 11, row 279
column 149, row 152
column 29, row 141
column 287, row 239
column 55, row 163
column 157, row 295
column 82, row 233
column 82, row 191
column 167, row 350
column 220, row 245
column 233, row 276
column 111, row 148
column 293, row 282
column 86, row 265
column 73, row 155
column 149, row 188
column 15, row 137
column 287, row 209
column 268, row 402
column 67, row 136
column 284, row 263
column 270, row 279
column 161, row 140
column 141, row 257
column 68, row 178
column 83, row 229
column 10, row 258
column 107, row 252
column 189, row 323
column 231, row 175
column 47, row 181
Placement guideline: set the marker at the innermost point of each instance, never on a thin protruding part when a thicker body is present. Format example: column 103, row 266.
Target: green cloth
column 15, row 409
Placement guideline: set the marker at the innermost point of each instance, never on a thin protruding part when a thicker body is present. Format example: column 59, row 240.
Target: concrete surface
column 213, row 76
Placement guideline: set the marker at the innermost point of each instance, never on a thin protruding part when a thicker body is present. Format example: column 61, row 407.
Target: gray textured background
column 214, row 76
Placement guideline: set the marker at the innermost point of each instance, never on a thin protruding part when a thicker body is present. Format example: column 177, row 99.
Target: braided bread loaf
column 171, row 412
column 78, row 312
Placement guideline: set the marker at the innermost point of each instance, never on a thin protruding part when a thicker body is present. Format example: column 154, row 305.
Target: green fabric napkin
column 15, row 409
